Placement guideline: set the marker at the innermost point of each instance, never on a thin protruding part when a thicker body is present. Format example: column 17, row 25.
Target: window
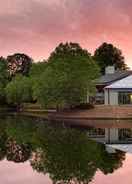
column 125, row 98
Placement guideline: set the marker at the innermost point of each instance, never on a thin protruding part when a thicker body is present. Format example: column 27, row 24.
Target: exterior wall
column 106, row 97
column 111, row 97
column 111, row 135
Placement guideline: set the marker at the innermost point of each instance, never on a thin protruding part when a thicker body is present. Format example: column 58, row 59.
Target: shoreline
column 100, row 116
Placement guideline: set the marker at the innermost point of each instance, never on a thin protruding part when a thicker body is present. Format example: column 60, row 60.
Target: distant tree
column 107, row 55
column 69, row 76
column 3, row 78
column 19, row 90
column 19, row 63
column 67, row 51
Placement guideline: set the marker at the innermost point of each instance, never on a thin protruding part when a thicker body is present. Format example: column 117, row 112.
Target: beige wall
column 111, row 97
column 111, row 134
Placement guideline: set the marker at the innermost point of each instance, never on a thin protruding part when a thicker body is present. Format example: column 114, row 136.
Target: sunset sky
column 36, row 27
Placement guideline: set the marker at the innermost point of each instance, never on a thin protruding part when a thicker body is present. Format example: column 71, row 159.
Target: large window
column 125, row 98
column 96, row 132
column 125, row 134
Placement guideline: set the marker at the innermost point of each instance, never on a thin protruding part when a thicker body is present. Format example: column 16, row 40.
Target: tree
column 37, row 68
column 68, row 156
column 3, row 78
column 107, row 55
column 19, row 63
column 70, row 74
column 19, row 90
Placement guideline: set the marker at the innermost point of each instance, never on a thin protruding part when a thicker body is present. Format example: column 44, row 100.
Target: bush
column 84, row 106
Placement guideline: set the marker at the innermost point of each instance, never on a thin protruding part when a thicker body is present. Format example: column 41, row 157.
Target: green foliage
column 74, row 157
column 37, row 68
column 69, row 76
column 19, row 90
column 3, row 78
column 108, row 163
column 49, row 88
column 107, row 55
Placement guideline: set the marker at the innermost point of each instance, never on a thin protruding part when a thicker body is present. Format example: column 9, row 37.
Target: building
column 119, row 92
column 105, row 85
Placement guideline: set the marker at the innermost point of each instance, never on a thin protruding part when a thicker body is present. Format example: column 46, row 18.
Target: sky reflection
column 122, row 175
column 22, row 173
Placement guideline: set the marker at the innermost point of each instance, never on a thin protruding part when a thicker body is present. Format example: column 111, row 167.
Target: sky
column 36, row 27
column 12, row 173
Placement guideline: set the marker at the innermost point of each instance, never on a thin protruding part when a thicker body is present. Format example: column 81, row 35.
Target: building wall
column 111, row 97
column 111, row 135
column 106, row 97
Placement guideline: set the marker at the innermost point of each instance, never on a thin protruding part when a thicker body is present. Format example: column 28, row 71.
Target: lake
column 35, row 151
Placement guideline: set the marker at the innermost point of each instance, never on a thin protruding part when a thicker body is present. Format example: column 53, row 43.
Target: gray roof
column 125, row 83
column 110, row 78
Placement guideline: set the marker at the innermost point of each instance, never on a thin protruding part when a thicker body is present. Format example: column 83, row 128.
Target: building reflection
column 111, row 135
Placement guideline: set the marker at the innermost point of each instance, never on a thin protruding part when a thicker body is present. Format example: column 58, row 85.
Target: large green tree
column 37, row 68
column 107, row 55
column 19, row 90
column 68, row 78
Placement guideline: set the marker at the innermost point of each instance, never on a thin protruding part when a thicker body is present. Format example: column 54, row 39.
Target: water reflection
column 111, row 135
column 66, row 154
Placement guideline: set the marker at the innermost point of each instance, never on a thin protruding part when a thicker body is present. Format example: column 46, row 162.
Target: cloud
column 37, row 26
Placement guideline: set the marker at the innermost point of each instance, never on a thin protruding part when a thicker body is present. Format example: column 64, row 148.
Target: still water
column 35, row 151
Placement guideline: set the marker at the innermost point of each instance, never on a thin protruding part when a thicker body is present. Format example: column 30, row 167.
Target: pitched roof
column 125, row 83
column 110, row 78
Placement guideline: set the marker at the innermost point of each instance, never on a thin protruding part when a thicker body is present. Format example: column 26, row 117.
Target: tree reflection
column 17, row 152
column 3, row 138
column 67, row 155
column 110, row 162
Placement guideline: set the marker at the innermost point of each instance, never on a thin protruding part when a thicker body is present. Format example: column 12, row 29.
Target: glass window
column 125, row 97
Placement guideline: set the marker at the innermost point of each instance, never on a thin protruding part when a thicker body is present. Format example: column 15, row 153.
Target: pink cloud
column 36, row 27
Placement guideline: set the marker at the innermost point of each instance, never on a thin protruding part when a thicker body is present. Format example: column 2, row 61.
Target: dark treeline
column 64, row 80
